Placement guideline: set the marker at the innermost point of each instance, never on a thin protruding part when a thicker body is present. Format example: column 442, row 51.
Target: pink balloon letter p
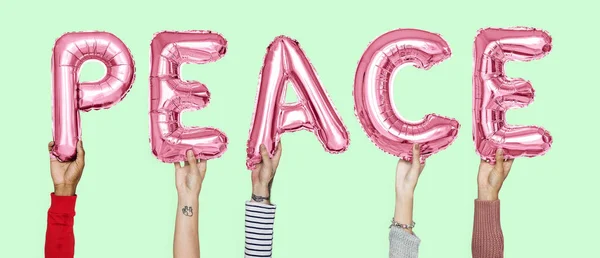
column 494, row 93
column 71, row 96
column 170, row 95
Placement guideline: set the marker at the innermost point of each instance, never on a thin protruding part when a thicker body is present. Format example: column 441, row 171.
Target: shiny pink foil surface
column 373, row 96
column 494, row 93
column 285, row 61
column 170, row 95
column 69, row 96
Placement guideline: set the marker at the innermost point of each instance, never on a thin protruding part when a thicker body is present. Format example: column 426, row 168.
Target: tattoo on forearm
column 257, row 198
column 187, row 211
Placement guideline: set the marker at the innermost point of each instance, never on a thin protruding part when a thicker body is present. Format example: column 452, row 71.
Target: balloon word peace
column 493, row 93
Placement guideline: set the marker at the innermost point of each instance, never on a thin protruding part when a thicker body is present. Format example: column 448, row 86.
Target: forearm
column 403, row 242
column 60, row 240
column 403, row 212
column 186, row 242
column 488, row 240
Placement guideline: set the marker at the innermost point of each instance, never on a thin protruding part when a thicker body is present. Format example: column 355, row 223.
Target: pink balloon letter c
column 374, row 105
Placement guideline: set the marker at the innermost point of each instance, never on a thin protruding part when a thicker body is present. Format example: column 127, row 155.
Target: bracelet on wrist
column 402, row 226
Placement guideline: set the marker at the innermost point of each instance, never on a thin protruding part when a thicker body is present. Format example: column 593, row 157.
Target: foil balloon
column 69, row 95
column 494, row 93
column 170, row 95
column 285, row 61
column 373, row 95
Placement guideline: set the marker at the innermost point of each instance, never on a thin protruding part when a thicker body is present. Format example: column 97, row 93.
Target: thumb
column 416, row 151
column 264, row 154
column 80, row 151
column 191, row 158
column 499, row 160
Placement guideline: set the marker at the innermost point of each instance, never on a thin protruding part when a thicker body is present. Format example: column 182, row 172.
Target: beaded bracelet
column 403, row 226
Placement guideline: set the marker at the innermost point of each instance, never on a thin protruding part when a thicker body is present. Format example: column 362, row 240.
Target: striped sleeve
column 259, row 229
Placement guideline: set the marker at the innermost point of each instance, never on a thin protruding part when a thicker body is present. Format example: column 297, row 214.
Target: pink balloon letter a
column 314, row 110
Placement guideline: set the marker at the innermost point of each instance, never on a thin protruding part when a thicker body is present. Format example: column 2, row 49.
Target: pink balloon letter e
column 170, row 95
column 494, row 93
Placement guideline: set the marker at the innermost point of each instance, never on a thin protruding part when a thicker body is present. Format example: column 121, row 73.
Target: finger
column 264, row 154
column 507, row 165
column 499, row 160
column 50, row 146
column 278, row 150
column 191, row 159
column 416, row 157
column 80, row 151
column 177, row 165
column 202, row 167
column 277, row 155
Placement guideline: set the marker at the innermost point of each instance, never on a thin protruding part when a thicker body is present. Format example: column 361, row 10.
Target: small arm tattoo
column 257, row 198
column 187, row 211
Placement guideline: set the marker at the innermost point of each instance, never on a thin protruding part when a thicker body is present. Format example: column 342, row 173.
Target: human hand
column 491, row 176
column 263, row 174
column 407, row 174
column 188, row 178
column 66, row 175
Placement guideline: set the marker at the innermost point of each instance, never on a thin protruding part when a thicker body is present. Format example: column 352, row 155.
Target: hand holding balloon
column 264, row 173
column 66, row 175
column 189, row 178
column 491, row 176
column 407, row 175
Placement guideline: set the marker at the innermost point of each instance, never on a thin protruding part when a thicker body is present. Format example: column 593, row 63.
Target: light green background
column 328, row 205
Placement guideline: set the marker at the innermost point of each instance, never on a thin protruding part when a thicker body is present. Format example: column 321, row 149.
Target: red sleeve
column 488, row 241
column 60, row 241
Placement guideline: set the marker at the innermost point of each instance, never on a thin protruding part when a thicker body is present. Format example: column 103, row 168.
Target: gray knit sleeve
column 403, row 244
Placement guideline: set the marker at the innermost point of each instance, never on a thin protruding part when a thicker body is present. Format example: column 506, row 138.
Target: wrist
column 261, row 190
column 65, row 189
column 187, row 198
column 487, row 195
column 404, row 195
